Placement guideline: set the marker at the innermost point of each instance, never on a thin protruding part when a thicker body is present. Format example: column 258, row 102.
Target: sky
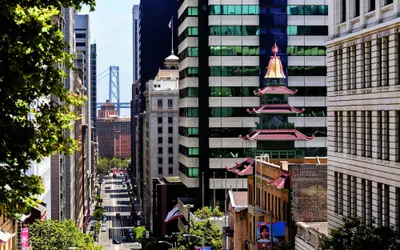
column 111, row 30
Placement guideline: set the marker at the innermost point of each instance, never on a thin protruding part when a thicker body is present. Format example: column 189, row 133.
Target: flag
column 173, row 214
column 170, row 24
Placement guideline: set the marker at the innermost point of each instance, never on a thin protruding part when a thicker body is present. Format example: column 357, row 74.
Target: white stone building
column 364, row 111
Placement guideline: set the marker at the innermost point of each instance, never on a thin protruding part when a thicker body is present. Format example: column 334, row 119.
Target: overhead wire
column 102, row 73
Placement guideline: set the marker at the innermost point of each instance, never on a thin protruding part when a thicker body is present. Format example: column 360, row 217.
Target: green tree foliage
column 103, row 166
column 205, row 229
column 206, row 213
column 125, row 163
column 35, row 109
column 98, row 213
column 140, row 233
column 115, row 162
column 55, row 235
column 356, row 235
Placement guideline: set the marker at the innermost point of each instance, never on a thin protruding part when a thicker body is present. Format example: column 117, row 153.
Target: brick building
column 113, row 132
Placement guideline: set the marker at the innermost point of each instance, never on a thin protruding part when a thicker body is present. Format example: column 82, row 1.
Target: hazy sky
column 111, row 30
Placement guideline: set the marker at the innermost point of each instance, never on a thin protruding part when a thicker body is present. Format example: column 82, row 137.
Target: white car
column 103, row 228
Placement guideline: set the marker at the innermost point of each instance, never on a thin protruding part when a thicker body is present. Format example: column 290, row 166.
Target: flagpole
column 172, row 35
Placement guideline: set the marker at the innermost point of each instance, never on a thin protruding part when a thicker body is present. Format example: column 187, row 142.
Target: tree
column 206, row 213
column 205, row 229
column 98, row 213
column 140, row 233
column 357, row 235
column 35, row 109
column 125, row 163
column 115, row 162
column 103, row 166
column 54, row 235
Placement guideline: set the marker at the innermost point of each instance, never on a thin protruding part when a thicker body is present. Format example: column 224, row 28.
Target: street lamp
column 169, row 243
column 192, row 235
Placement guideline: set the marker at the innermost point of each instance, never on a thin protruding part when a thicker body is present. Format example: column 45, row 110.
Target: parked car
column 103, row 228
column 115, row 241
column 104, row 219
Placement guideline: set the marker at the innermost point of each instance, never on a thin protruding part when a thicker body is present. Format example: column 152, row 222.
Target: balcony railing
column 286, row 125
column 278, row 154
column 275, row 102
column 309, row 234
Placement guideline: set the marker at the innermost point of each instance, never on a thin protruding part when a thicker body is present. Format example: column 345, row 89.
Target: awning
column 279, row 182
column 5, row 236
column 37, row 213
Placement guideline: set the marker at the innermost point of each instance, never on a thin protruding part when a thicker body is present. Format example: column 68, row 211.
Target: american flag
column 170, row 24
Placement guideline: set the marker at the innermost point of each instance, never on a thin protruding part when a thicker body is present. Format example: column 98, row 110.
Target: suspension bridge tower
column 113, row 91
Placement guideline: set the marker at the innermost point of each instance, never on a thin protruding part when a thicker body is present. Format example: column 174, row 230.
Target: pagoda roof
column 243, row 168
column 275, row 90
column 275, row 109
column 276, row 135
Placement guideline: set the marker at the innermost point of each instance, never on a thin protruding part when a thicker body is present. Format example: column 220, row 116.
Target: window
column 189, row 52
column 189, row 172
column 234, row 70
column 343, row 11
column 234, row 50
column 379, row 204
column 369, row 133
column 232, row 91
column 170, row 130
column 170, row 140
column 340, row 194
column 234, row 30
column 356, row 8
column 386, row 135
column 170, row 103
column 159, row 119
column 189, row 112
column 189, row 72
column 388, row 2
column 369, row 201
column 306, row 51
column 188, row 32
column 363, row 200
column 80, row 35
column 188, row 92
column 160, row 170
column 349, row 132
column 368, row 63
column 188, row 132
column 170, row 160
column 160, row 140
column 170, row 150
column 188, row 151
column 160, row 104
column 386, row 205
column 160, row 130
column 371, row 5
column 318, row 10
column 379, row 134
column 385, row 60
column 80, row 44
column 234, row 10
column 190, row 11
column 307, row 30
column 160, row 151
column 363, row 134
column 307, row 70
column 170, row 171
column 160, row 161
column 170, row 120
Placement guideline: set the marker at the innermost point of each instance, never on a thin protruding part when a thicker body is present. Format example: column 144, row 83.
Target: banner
column 264, row 232
column 25, row 238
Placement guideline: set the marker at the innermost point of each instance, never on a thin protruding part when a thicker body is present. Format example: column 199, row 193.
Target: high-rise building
column 82, row 44
column 224, row 50
column 364, row 117
column 135, row 42
column 154, row 21
column 93, row 88
column 160, row 148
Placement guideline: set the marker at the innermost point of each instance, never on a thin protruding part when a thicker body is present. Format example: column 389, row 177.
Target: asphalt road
column 116, row 200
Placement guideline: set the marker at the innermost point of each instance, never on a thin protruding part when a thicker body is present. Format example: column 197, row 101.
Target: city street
column 117, row 209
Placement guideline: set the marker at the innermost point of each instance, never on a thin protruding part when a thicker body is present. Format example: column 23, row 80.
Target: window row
column 216, row 112
column 189, row 72
column 234, row 70
column 234, row 10
column 160, row 159
column 307, row 30
column 170, row 130
column 189, row 152
column 216, row 152
column 161, row 150
column 234, row 50
column 310, row 91
column 189, row 11
column 234, row 30
column 188, row 92
column 188, row 32
column 215, row 132
column 160, row 103
column 160, row 120
column 189, row 172
column 358, row 57
column 354, row 196
column 170, row 171
column 356, row 8
column 306, row 51
column 232, row 91
column 317, row 10
column 356, row 142
column 306, row 70
column 188, row 132
column 189, row 52
column 170, row 140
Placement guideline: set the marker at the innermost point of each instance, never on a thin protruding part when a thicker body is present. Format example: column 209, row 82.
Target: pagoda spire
column 275, row 68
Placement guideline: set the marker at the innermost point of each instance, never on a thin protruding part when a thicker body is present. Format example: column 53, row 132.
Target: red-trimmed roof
column 279, row 182
column 275, row 109
column 276, row 135
column 275, row 90
column 243, row 168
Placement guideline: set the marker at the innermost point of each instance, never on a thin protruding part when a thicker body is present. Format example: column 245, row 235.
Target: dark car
column 115, row 241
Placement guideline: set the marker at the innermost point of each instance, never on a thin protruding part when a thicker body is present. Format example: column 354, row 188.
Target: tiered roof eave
column 275, row 109
column 276, row 135
column 275, row 90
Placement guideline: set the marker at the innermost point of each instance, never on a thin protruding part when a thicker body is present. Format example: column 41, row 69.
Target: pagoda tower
column 275, row 136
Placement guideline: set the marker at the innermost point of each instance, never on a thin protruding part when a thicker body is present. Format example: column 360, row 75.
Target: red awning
column 275, row 90
column 275, row 109
column 279, row 182
column 243, row 168
column 276, row 135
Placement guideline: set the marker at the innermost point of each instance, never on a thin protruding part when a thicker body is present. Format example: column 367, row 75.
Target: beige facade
column 364, row 111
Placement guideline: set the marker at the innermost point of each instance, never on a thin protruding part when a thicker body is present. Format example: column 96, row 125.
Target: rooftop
column 172, row 178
